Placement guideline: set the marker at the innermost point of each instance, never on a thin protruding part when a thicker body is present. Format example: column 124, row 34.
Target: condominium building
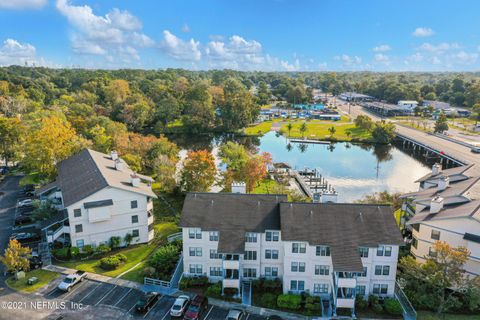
column 335, row 251
column 99, row 197
column 445, row 208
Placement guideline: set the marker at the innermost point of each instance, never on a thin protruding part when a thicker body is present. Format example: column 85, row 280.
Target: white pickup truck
column 71, row 280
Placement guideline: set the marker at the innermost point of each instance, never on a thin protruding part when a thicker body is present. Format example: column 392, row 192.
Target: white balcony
column 150, row 220
column 231, row 264
column 347, row 283
column 231, row 283
column 149, row 205
column 345, row 303
column 60, row 231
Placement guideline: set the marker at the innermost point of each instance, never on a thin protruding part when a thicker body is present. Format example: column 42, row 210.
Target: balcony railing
column 345, row 302
column 231, row 264
column 231, row 283
column 347, row 282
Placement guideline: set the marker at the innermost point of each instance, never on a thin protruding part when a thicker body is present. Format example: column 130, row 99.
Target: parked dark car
column 3, row 170
column 25, row 211
column 274, row 317
column 197, row 308
column 146, row 301
column 35, row 262
column 25, row 237
column 29, row 187
column 23, row 219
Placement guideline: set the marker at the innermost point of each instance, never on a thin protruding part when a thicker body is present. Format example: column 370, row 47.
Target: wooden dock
column 308, row 141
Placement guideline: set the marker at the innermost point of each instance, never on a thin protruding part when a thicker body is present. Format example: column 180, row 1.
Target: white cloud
column 439, row 48
column 382, row 58
column 423, row 32
column 22, row 4
column 348, row 60
column 185, row 28
column 116, row 36
column 180, row 49
column 14, row 52
column 463, row 57
column 382, row 48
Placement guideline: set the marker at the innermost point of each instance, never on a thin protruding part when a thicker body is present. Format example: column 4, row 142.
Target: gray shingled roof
column 454, row 189
column 445, row 173
column 343, row 227
column 232, row 214
column 88, row 172
column 464, row 210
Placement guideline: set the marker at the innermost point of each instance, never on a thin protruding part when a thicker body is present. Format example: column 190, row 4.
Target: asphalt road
column 9, row 190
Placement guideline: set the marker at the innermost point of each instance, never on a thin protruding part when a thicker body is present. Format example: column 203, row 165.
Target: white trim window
column 322, row 270
column 363, row 252
column 250, row 255
column 251, row 237
column 361, row 290
column 214, row 254
column 320, row 288
column 297, row 285
column 382, row 270
column 213, row 235
column 249, row 272
column 299, row 247
column 322, row 251
column 271, row 272
column 195, row 269
column 194, row 233
column 297, row 266
column 271, row 254
column 272, row 236
column 384, row 251
column 216, row 272
column 195, row 251
column 380, row 289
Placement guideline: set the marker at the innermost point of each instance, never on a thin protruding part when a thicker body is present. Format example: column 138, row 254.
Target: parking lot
column 94, row 293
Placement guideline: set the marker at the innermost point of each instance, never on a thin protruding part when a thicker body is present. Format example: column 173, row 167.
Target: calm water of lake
column 354, row 170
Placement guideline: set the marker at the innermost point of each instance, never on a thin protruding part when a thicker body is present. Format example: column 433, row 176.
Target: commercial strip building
column 335, row 251
column 445, row 208
column 355, row 97
column 98, row 197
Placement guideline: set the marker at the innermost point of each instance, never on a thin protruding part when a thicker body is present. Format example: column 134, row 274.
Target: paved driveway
column 9, row 190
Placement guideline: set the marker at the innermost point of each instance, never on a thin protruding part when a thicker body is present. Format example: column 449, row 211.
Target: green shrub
column 184, row 283
column 215, row 290
column 149, row 272
column 88, row 249
column 289, row 301
column 62, row 253
column 374, row 304
column 74, row 251
column 164, row 261
column 115, row 242
column 393, row 307
column 360, row 302
column 268, row 300
column 112, row 262
column 103, row 249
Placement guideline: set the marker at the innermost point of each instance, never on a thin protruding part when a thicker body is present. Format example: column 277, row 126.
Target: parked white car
column 234, row 314
column 71, row 280
column 180, row 306
column 25, row 202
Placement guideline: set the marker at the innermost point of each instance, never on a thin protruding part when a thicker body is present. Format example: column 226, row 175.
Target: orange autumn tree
column 256, row 169
column 199, row 170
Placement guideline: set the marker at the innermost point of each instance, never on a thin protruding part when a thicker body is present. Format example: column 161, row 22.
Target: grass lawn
column 266, row 186
column 259, row 129
column 32, row 178
column 398, row 214
column 134, row 254
column 319, row 130
column 135, row 274
column 428, row 315
column 44, row 277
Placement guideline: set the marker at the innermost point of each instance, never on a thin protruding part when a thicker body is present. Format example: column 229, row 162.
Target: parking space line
column 166, row 314
column 73, row 289
column 122, row 297
column 106, row 294
column 208, row 313
column 131, row 308
column 148, row 311
column 98, row 285
column 51, row 292
column 248, row 315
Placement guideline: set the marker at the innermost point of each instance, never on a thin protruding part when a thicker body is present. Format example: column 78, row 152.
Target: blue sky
column 277, row 35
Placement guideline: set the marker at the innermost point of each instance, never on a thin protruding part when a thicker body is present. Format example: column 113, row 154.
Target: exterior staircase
column 44, row 253
column 409, row 312
column 247, row 292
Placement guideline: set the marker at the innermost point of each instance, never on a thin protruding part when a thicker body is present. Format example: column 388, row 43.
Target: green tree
column 11, row 133
column 238, row 109
column 199, row 111
column 235, row 157
column 303, row 129
column 289, row 128
column 263, row 93
column 441, row 125
column 198, row 172
column 383, row 132
column 476, row 112
column 430, row 285
column 332, row 131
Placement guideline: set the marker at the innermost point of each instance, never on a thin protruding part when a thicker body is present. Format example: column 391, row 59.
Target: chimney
column 436, row 205
column 114, row 155
column 443, row 183
column 119, row 165
column 239, row 187
column 135, row 180
column 436, row 168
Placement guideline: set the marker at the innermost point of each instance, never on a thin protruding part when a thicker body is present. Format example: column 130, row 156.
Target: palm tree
column 289, row 128
column 348, row 133
column 303, row 129
column 332, row 131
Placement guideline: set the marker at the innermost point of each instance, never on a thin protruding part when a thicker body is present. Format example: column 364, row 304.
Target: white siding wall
column 452, row 232
column 119, row 223
column 284, row 261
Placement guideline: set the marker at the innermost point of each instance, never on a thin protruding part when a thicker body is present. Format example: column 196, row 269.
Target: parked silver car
column 180, row 306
